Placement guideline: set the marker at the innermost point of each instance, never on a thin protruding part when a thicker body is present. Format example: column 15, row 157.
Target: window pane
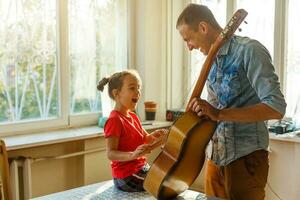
column 98, row 47
column 218, row 8
column 28, row 69
column 293, row 60
column 260, row 21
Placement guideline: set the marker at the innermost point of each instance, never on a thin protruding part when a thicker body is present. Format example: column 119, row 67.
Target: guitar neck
column 205, row 69
column 227, row 32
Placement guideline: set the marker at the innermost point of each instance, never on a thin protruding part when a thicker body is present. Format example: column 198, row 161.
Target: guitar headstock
column 233, row 24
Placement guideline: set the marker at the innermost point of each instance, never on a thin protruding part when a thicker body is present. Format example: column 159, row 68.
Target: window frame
column 65, row 119
column 280, row 40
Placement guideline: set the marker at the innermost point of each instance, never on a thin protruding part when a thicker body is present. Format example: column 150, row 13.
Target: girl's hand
column 159, row 138
column 160, row 134
column 140, row 151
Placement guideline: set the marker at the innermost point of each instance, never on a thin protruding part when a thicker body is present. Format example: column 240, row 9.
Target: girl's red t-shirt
column 131, row 135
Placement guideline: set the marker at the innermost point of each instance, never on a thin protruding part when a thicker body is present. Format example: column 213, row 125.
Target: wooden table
column 106, row 190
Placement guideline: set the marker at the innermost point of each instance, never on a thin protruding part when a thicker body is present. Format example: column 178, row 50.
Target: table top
column 106, row 190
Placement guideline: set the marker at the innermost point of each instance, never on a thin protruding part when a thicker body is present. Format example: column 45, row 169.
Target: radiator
column 25, row 164
column 14, row 177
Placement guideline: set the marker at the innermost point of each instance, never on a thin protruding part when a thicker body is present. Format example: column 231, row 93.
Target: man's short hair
column 193, row 14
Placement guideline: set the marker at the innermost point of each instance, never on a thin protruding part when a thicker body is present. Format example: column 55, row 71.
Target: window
column 52, row 55
column 293, row 61
column 98, row 24
column 261, row 26
column 260, row 21
column 28, row 70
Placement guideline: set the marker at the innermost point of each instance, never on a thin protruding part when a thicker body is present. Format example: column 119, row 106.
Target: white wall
column 154, row 42
column 149, row 52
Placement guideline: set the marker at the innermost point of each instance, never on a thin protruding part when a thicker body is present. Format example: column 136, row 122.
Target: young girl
column 127, row 141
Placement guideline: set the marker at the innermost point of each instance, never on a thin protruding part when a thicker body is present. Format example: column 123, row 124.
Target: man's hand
column 203, row 108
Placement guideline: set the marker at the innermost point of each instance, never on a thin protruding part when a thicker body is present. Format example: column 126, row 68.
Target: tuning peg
column 240, row 30
column 245, row 22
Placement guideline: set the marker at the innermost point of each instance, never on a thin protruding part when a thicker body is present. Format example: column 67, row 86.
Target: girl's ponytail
column 102, row 83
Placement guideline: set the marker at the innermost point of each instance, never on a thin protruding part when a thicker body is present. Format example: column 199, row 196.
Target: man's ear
column 203, row 27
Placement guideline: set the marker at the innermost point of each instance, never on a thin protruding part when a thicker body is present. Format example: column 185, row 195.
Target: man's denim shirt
column 241, row 75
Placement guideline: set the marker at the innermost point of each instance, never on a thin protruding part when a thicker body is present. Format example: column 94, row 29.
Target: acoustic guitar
column 183, row 155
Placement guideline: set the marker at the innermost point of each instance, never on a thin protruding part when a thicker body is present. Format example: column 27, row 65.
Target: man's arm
column 258, row 112
column 254, row 113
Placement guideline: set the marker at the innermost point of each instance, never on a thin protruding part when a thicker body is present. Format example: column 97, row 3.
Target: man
column 243, row 92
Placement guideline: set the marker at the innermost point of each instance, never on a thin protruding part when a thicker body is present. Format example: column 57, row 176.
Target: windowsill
column 287, row 137
column 81, row 133
column 65, row 135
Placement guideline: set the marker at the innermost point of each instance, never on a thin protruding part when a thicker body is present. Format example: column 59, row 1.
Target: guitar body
column 181, row 159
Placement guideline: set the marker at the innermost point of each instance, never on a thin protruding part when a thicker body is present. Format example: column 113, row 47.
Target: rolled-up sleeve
column 261, row 75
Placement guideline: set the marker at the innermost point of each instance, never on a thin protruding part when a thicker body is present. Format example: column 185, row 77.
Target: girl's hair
column 115, row 81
